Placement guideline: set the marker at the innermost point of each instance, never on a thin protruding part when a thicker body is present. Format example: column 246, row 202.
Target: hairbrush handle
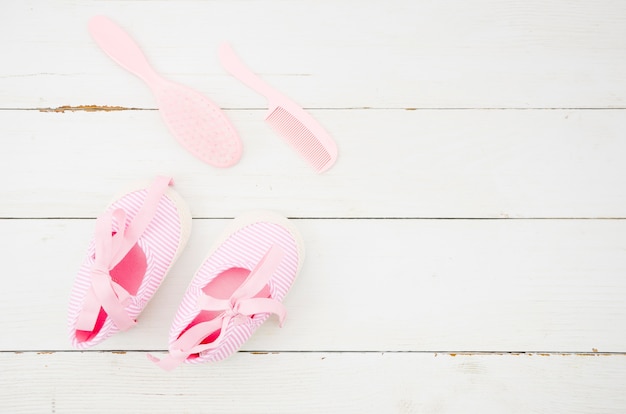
column 239, row 70
column 121, row 48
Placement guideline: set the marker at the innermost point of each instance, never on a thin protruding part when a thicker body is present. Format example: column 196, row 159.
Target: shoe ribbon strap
column 239, row 309
column 110, row 248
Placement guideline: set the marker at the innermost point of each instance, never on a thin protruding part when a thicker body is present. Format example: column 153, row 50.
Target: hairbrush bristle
column 300, row 137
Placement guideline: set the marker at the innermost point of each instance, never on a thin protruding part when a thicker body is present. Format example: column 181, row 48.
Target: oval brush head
column 198, row 124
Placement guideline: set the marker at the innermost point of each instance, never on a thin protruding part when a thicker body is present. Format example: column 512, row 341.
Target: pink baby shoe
column 136, row 241
column 243, row 280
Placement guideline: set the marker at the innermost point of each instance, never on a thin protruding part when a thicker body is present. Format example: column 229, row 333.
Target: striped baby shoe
column 136, row 241
column 243, row 280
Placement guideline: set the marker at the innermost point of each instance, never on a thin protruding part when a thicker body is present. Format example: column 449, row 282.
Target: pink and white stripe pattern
column 243, row 247
column 161, row 242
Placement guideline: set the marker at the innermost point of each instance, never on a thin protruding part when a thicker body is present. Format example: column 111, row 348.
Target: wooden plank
column 367, row 285
column 426, row 54
column 393, row 163
column 313, row 383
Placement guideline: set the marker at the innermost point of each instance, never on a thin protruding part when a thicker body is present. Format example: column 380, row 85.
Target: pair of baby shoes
column 242, row 281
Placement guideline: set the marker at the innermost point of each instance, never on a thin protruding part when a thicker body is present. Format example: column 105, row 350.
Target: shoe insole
column 129, row 274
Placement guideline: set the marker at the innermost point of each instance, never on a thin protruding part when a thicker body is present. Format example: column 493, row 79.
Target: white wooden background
column 467, row 253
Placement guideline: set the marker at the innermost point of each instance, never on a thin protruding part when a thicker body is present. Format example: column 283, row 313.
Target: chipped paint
column 544, row 354
column 86, row 108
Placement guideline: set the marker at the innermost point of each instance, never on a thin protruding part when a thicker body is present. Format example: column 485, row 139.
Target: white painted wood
column 392, row 164
column 478, row 53
column 392, row 283
column 314, row 383
column 367, row 285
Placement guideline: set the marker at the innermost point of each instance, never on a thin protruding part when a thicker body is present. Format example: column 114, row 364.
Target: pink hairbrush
column 288, row 119
column 199, row 125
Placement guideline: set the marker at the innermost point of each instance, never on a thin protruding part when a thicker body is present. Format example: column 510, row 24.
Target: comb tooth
column 300, row 137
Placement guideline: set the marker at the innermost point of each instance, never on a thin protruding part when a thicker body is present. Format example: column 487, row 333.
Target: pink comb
column 288, row 119
column 197, row 123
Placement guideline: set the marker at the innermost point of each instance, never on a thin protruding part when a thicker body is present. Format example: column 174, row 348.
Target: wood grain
column 393, row 54
column 313, row 383
column 368, row 285
column 456, row 164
